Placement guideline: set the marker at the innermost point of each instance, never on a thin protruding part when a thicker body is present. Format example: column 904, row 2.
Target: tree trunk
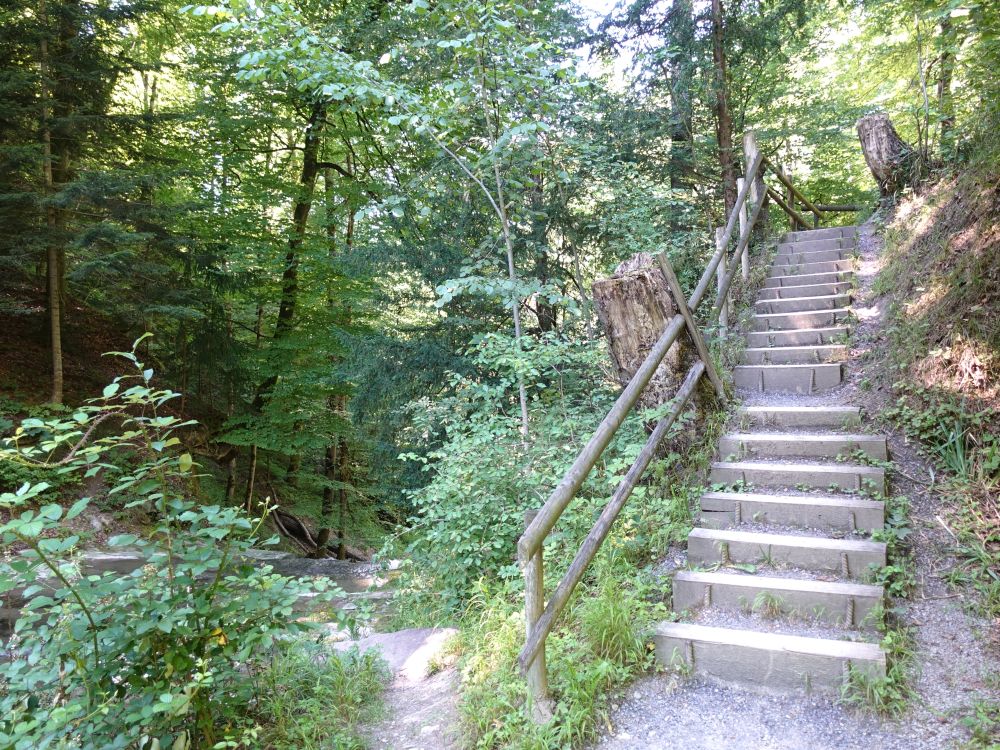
column 54, row 251
column 681, row 35
column 300, row 216
column 634, row 306
column 723, row 117
column 890, row 159
column 946, row 70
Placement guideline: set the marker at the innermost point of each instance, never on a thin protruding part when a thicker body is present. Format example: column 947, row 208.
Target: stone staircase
column 774, row 596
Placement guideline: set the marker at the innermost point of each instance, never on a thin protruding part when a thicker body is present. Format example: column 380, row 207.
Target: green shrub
column 310, row 699
column 154, row 659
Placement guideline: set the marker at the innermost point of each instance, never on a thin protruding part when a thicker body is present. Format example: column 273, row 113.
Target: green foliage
column 599, row 644
column 891, row 694
column 984, row 724
column 312, row 699
column 155, row 656
column 484, row 476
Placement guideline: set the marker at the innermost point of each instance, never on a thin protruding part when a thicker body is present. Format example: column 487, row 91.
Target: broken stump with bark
column 892, row 161
column 634, row 305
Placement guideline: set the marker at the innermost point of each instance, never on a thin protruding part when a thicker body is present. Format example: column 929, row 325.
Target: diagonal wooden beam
column 699, row 342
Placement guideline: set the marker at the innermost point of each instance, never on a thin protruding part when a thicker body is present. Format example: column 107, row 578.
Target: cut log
column 892, row 160
column 634, row 306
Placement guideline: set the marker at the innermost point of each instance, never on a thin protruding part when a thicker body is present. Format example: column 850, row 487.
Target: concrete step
column 810, row 378
column 776, row 444
column 819, row 476
column 802, row 304
column 770, row 662
column 830, row 602
column 802, row 269
column 797, row 337
column 831, row 277
column 809, row 319
column 818, row 245
column 801, row 416
column 783, row 355
column 850, row 558
column 812, row 256
column 807, row 235
column 805, row 290
column 721, row 510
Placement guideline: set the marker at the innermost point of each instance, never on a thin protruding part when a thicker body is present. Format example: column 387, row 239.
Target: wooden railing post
column 745, row 255
column 720, row 275
column 534, row 605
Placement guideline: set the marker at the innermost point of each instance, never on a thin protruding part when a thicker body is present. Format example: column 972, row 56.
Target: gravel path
column 955, row 663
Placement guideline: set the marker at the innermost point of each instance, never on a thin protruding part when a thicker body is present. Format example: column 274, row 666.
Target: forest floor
column 421, row 701
column 957, row 655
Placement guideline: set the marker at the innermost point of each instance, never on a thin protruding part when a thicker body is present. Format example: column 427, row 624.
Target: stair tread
column 845, row 501
column 773, row 641
column 833, row 437
column 786, row 540
column 803, row 347
column 787, row 584
column 799, row 465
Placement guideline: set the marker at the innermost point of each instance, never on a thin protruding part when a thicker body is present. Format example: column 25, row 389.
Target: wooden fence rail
column 540, row 617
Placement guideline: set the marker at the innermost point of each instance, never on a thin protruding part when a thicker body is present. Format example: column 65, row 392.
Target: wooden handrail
column 796, row 216
column 540, row 617
column 787, row 182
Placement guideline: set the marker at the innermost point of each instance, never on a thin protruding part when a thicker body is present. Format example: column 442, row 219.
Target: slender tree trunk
column 946, row 70
column 544, row 310
column 251, row 477
column 723, row 117
column 501, row 206
column 54, row 252
column 300, row 216
column 681, row 34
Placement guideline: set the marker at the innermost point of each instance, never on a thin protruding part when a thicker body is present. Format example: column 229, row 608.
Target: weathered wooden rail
column 540, row 617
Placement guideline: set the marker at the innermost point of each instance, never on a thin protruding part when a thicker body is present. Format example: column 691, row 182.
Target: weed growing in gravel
column 312, row 699
column 890, row 694
column 984, row 723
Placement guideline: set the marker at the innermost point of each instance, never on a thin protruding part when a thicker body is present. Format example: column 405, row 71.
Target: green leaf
column 122, row 540
column 110, row 390
column 184, row 462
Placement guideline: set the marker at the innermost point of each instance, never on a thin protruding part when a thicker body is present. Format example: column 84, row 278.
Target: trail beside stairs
column 772, row 590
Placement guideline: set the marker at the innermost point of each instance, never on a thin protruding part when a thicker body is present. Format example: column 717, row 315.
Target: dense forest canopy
column 366, row 231
column 363, row 233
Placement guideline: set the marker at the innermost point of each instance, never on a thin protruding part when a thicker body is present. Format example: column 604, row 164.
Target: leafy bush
column 485, row 476
column 157, row 658
column 309, row 699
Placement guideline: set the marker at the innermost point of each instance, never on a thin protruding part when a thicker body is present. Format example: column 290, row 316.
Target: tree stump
column 634, row 306
column 891, row 159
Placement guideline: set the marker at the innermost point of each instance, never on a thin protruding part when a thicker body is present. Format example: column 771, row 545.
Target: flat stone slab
column 805, row 290
column 778, row 444
column 802, row 416
column 793, row 258
column 807, row 235
column 802, row 304
column 792, row 355
column 801, row 269
column 842, row 476
column 770, row 662
column 794, row 320
column 721, row 510
column 789, row 377
column 830, row 277
column 830, row 602
column 798, row 337
column 851, row 558
column 409, row 653
column 817, row 245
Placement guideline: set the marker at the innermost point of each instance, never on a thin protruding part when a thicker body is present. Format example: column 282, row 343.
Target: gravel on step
column 800, row 624
column 666, row 712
